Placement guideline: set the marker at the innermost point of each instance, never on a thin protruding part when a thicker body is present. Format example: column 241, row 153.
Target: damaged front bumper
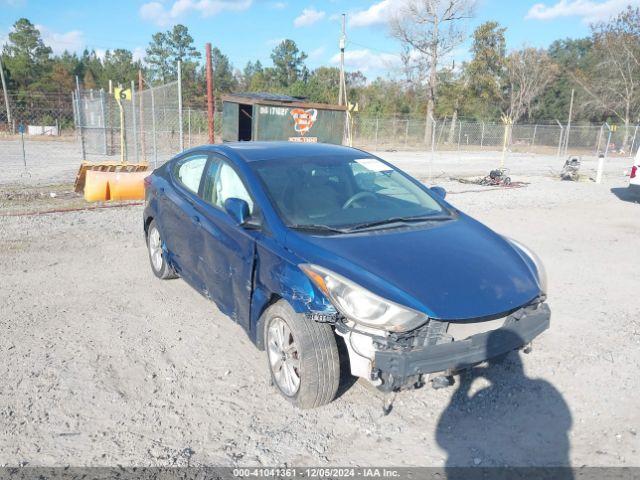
column 395, row 365
column 460, row 354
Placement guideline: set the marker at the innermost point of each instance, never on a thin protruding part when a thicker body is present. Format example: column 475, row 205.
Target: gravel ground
column 103, row 364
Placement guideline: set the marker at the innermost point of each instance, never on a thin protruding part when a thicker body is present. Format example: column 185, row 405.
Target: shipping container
column 267, row 116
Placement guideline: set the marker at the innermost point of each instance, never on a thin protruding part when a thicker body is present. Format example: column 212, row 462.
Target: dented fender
column 277, row 276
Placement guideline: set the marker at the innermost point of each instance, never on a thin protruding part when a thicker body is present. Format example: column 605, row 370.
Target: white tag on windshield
column 374, row 165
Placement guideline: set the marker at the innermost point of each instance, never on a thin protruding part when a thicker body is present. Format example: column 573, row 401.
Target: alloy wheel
column 155, row 249
column 284, row 357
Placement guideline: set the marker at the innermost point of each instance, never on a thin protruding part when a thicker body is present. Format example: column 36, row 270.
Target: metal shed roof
column 263, row 98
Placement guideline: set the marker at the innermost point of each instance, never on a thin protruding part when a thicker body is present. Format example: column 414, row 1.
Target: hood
column 453, row 270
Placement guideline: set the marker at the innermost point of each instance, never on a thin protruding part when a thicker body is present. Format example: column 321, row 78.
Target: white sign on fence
column 50, row 130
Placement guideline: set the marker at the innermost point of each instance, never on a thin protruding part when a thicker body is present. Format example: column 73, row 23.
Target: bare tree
column 612, row 78
column 529, row 71
column 432, row 29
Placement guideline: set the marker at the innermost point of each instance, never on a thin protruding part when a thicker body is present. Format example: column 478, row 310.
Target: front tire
column 302, row 356
column 159, row 265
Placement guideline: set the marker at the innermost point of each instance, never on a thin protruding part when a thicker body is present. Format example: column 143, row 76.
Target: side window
column 229, row 185
column 189, row 172
column 209, row 193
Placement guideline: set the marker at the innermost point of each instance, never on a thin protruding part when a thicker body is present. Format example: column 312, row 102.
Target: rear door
column 228, row 251
column 178, row 220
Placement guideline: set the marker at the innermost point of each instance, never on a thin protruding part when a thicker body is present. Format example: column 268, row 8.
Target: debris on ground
column 497, row 177
column 18, row 200
column 571, row 169
column 29, row 195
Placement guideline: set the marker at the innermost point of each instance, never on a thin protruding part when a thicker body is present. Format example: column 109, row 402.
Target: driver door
column 228, row 251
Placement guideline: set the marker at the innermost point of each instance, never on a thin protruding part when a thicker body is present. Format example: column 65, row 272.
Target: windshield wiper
column 401, row 220
column 317, row 228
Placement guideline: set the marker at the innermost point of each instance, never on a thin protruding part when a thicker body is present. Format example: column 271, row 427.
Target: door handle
column 195, row 219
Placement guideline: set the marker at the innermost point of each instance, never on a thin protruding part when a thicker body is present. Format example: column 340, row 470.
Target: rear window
column 188, row 172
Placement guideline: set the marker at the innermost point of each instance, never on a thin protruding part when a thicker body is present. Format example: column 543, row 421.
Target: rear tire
column 302, row 356
column 159, row 264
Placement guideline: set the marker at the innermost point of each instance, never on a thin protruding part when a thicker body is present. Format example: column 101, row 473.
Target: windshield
column 344, row 193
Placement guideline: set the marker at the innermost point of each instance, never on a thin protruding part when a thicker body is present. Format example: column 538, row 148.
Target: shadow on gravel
column 626, row 195
column 346, row 379
column 516, row 421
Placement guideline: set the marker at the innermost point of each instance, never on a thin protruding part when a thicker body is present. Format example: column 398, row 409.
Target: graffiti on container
column 267, row 110
column 303, row 119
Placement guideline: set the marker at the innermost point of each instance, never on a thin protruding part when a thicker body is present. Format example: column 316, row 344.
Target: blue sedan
column 322, row 252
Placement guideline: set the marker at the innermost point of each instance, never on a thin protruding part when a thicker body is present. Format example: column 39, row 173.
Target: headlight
column 541, row 272
column 361, row 305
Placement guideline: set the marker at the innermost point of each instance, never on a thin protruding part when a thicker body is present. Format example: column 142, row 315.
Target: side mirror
column 439, row 191
column 237, row 209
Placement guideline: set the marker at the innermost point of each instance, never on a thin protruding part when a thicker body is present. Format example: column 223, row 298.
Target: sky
column 247, row 30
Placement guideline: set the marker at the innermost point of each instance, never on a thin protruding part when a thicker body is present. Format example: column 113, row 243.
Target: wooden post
column 6, row 94
column 210, row 100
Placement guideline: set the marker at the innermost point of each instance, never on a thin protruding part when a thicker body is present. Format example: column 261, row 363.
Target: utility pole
column 6, row 94
column 210, row 100
column 343, row 41
column 342, row 94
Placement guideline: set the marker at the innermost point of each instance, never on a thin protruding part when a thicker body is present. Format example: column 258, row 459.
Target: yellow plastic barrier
column 127, row 185
column 102, row 186
column 96, row 187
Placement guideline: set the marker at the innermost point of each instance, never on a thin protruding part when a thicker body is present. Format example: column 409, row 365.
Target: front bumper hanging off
column 461, row 354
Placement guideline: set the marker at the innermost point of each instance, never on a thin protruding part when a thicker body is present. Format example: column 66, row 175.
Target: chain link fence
column 141, row 127
column 196, row 126
column 403, row 133
column 146, row 127
column 36, row 130
column 47, row 137
column 38, row 113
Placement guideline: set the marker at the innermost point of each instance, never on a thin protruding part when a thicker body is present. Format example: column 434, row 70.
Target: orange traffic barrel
column 127, row 185
column 96, row 187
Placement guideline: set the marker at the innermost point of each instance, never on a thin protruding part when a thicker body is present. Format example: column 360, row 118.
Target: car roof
column 273, row 151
